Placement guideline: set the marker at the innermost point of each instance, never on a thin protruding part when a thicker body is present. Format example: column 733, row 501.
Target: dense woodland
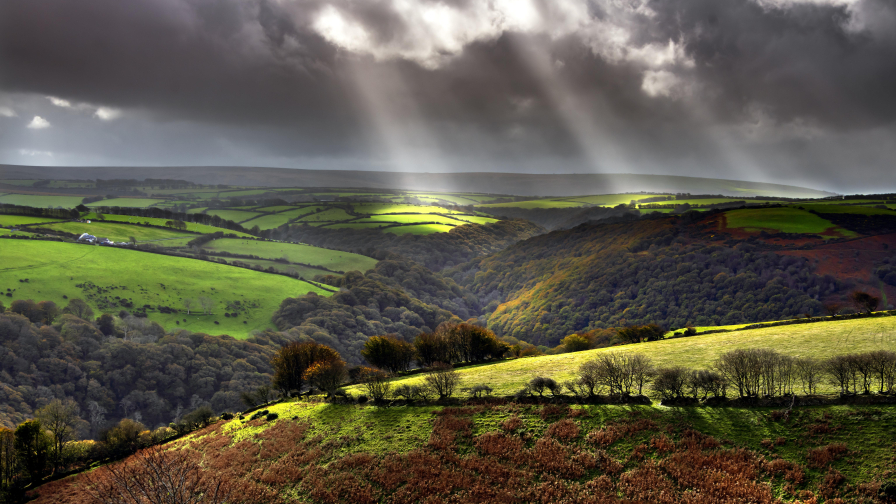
column 645, row 271
column 112, row 377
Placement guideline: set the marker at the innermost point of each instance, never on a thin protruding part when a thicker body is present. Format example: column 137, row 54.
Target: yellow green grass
column 41, row 201
column 117, row 231
column 385, row 208
column 331, row 215
column 18, row 220
column 54, row 269
column 419, row 229
column 784, row 219
column 332, row 259
column 191, row 226
column 821, row 339
column 125, row 202
column 412, row 218
column 849, row 209
column 233, row 215
column 537, row 203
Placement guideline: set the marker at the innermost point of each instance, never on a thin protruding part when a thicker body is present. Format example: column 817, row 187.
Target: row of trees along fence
column 756, row 372
column 449, row 343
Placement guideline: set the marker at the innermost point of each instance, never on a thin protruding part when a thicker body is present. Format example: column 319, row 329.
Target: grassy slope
column 41, row 201
column 118, row 231
column 125, row 202
column 191, row 226
column 820, row 339
column 419, row 229
column 18, row 220
column 54, row 269
column 332, row 259
column 785, row 219
column 233, row 215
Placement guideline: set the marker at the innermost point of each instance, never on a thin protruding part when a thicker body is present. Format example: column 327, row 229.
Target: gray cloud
column 751, row 89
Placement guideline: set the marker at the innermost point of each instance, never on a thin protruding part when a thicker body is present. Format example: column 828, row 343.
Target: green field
column 785, row 219
column 475, row 219
column 233, row 215
column 413, row 218
column 384, row 208
column 419, row 229
column 294, row 252
column 822, row 339
column 357, row 225
column 125, row 202
column 18, row 220
column 538, row 203
column 41, row 201
column 848, row 209
column 267, row 221
column 191, row 226
column 305, row 272
column 118, row 231
column 55, row 269
column 331, row 215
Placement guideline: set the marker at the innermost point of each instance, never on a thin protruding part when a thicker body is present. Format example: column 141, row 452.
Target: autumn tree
column 32, row 448
column 292, row 361
column 862, row 301
column 389, row 352
column 327, row 375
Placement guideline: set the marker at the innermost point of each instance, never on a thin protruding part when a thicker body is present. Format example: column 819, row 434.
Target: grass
column 191, row 226
column 475, row 219
column 537, row 203
column 233, row 215
column 822, row 339
column 125, row 202
column 41, row 201
column 18, row 220
column 414, row 218
column 267, row 221
column 54, row 269
column 848, row 209
column 331, row 215
column 385, row 208
column 118, row 231
column 315, row 256
column 419, row 229
column 306, row 272
column 785, row 219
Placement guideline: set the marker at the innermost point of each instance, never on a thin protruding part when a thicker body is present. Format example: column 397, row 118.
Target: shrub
column 376, row 383
column 442, row 379
column 478, row 390
column 671, row 382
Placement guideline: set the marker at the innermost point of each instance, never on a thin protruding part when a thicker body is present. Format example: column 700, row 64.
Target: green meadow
column 125, row 202
column 43, row 270
column 19, row 220
column 191, row 226
column 820, row 339
column 41, row 201
column 332, row 259
column 233, row 215
column 118, row 231
column 419, row 229
column 784, row 219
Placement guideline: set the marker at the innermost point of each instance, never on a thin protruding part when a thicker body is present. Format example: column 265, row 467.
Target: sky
column 787, row 91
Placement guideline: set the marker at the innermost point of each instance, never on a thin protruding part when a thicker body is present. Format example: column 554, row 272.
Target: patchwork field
column 18, row 220
column 41, row 201
column 315, row 256
column 118, row 231
column 233, row 215
column 125, row 203
column 112, row 279
column 191, row 226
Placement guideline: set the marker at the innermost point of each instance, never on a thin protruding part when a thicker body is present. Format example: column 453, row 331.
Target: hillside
column 498, row 183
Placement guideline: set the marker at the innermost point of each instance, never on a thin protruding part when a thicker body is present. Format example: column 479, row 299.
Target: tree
column 293, row 359
column 7, row 459
column 188, row 304
column 637, row 334
column 862, row 301
column 106, row 324
column 389, row 352
column 809, row 371
column 376, row 382
column 207, row 303
column 576, row 343
column 61, row 419
column 833, row 308
column 50, row 311
column 132, row 240
column 327, row 375
column 79, row 308
column 671, row 382
column 157, row 475
column 32, row 448
column 442, row 379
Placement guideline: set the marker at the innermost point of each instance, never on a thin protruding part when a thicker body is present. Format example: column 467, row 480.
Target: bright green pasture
column 267, row 221
column 54, row 269
column 419, row 229
column 475, row 219
column 612, row 200
column 125, row 202
column 36, row 201
column 357, row 225
column 197, row 210
column 233, row 215
column 537, row 203
column 191, row 226
column 306, row 272
column 279, row 208
column 331, row 215
column 820, row 339
column 785, row 219
column 712, row 201
column 385, row 208
column 412, row 218
column 18, row 220
column 118, row 231
column 332, row 259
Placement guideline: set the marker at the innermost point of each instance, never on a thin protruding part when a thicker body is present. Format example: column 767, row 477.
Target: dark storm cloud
column 785, row 80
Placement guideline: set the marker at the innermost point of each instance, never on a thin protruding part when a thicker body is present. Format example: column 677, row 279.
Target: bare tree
column 809, row 371
column 157, row 475
column 60, row 418
column 442, row 379
column 376, row 382
column 188, row 304
column 207, row 303
column 97, row 416
column 883, row 365
column 839, row 370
